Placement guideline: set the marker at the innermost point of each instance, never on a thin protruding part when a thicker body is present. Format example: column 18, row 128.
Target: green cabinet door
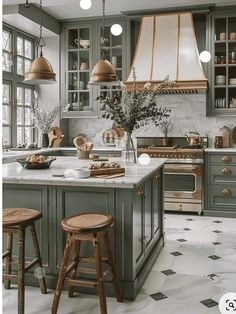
column 37, row 198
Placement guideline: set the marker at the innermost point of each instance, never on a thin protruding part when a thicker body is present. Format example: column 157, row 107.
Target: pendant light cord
column 103, row 31
column 41, row 42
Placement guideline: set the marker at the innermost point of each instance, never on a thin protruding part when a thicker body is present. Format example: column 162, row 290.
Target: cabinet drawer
column 223, row 196
column 223, row 174
column 224, row 158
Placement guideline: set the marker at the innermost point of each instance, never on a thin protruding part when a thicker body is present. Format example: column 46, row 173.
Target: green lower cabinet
column 220, row 184
column 35, row 197
column 136, row 237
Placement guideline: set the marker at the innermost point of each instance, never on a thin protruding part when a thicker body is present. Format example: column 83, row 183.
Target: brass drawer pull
column 226, row 171
column 226, row 192
column 157, row 175
column 140, row 191
column 226, row 158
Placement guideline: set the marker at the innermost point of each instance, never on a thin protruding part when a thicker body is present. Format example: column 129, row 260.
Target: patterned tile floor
column 189, row 277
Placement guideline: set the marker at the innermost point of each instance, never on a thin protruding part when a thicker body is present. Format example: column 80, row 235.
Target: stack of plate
column 232, row 81
column 82, row 173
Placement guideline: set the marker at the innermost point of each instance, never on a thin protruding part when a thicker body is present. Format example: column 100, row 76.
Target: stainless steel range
column 183, row 179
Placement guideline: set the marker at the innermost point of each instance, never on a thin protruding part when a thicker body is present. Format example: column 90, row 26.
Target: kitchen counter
column 220, row 150
column 15, row 173
column 11, row 155
column 135, row 201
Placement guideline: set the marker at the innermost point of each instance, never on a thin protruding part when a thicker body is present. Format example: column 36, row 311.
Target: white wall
column 188, row 113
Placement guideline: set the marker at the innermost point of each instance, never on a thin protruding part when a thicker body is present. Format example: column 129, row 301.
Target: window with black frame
column 18, row 51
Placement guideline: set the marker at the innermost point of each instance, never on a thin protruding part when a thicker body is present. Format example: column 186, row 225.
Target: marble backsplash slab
column 188, row 113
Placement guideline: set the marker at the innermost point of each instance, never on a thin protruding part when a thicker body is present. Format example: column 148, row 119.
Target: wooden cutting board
column 103, row 171
column 234, row 135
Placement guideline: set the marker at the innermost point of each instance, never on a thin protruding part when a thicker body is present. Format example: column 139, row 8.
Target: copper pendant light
column 41, row 71
column 103, row 72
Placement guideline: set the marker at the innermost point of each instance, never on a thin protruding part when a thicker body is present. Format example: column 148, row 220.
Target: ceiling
column 65, row 9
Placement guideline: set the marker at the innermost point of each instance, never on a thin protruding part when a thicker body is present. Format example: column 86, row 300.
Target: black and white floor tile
column 189, row 276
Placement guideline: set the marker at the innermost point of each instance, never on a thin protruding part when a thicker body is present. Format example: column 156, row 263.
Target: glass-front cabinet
column 78, row 70
column 82, row 43
column 223, row 80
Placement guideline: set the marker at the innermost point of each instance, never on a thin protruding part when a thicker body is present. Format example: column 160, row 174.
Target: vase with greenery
column 44, row 117
column 133, row 109
column 166, row 126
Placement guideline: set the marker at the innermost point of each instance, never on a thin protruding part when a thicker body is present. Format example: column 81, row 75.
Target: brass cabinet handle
column 226, row 192
column 226, row 171
column 157, row 175
column 226, row 158
column 140, row 191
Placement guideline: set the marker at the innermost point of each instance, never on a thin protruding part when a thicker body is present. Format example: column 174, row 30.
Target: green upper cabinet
column 223, row 65
column 82, row 44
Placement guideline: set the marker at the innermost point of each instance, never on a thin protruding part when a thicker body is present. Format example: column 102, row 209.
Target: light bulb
column 116, row 29
column 205, row 56
column 144, row 159
column 85, row 4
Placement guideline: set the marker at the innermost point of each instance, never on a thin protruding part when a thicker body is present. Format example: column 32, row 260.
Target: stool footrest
column 91, row 259
column 9, row 276
column 5, row 254
column 81, row 283
column 31, row 264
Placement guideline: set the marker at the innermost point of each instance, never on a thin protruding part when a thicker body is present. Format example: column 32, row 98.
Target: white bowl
column 85, row 43
column 82, row 173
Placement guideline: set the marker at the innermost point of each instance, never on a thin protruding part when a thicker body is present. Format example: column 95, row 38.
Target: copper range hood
column 167, row 46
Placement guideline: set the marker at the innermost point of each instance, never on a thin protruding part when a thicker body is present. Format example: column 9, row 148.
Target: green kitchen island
column 135, row 201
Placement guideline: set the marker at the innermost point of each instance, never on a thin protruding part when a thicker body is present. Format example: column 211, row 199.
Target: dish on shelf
column 37, row 164
column 232, row 81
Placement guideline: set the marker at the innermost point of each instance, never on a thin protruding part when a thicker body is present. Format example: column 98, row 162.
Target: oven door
column 183, row 182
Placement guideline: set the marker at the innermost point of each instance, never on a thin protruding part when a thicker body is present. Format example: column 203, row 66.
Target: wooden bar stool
column 16, row 220
column 93, row 228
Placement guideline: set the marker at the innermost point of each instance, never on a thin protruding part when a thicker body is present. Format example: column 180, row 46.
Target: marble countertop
column 11, row 155
column 16, row 174
column 220, row 150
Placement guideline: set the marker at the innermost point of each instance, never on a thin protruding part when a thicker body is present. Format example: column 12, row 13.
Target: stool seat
column 87, row 223
column 19, row 216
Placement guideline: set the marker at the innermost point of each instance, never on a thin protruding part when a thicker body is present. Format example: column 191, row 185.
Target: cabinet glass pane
column 107, row 36
column 220, row 29
column 73, row 81
column 73, row 38
column 20, row 49
column 116, row 40
column 232, row 28
column 84, row 101
column 73, row 100
column 220, row 98
column 83, row 82
column 84, row 35
column 73, row 60
column 232, row 52
column 84, row 60
column 6, row 62
column 232, row 97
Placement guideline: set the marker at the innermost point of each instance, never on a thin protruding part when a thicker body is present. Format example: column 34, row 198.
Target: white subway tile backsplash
column 188, row 113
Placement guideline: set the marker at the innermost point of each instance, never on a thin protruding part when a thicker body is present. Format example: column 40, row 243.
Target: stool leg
column 21, row 272
column 74, row 271
column 117, row 287
column 42, row 282
column 7, row 282
column 100, row 280
column 62, row 274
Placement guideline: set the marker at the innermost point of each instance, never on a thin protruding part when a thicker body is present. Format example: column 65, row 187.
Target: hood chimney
column 167, row 46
